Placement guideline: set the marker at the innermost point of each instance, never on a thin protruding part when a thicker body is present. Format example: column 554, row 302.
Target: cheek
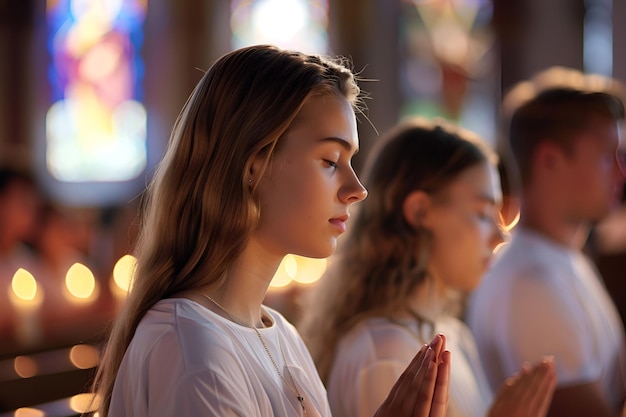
column 459, row 251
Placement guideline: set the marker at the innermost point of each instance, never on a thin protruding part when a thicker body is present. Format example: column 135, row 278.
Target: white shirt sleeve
column 541, row 320
column 373, row 385
column 205, row 393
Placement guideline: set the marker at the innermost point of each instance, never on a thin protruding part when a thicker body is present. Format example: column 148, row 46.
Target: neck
column 244, row 289
column 546, row 218
column 428, row 300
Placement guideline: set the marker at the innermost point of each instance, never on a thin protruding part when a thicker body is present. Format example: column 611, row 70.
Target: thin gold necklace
column 420, row 322
column 293, row 388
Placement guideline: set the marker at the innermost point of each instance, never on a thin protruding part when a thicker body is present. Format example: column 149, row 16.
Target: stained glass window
column 96, row 123
column 291, row 24
column 448, row 68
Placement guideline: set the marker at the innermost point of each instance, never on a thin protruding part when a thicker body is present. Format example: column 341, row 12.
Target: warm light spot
column 123, row 272
column 84, row 403
column 291, row 24
column 84, row 356
column 29, row 412
column 291, row 265
column 277, row 20
column 24, row 285
column 310, row 270
column 508, row 227
column 287, row 270
column 25, row 367
column 80, row 281
column 101, row 61
column 498, row 247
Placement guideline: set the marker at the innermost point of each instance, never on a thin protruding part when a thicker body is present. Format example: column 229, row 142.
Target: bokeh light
column 29, row 412
column 84, row 403
column 24, row 285
column 80, row 281
column 123, row 272
column 84, row 356
column 25, row 367
column 310, row 270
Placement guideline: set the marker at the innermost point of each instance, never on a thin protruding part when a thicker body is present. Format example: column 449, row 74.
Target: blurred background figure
column 61, row 240
column 418, row 244
column 543, row 295
column 89, row 91
column 19, row 201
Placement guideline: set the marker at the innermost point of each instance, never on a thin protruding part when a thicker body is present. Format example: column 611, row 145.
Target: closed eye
column 331, row 164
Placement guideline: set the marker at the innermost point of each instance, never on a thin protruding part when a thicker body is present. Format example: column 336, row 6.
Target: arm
column 556, row 325
column 580, row 401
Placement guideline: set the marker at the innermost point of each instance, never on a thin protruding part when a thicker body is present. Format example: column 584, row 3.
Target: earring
column 250, row 181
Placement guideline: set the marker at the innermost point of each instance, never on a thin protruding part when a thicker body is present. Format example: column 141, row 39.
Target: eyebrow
column 342, row 142
column 489, row 199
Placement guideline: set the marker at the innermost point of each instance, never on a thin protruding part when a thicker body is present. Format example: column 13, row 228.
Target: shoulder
column 379, row 339
column 180, row 330
column 527, row 261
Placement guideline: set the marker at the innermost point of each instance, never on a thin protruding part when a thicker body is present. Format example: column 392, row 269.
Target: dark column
column 367, row 32
column 537, row 34
column 619, row 35
column 16, row 27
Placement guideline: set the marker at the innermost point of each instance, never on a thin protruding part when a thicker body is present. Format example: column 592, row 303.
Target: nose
column 352, row 191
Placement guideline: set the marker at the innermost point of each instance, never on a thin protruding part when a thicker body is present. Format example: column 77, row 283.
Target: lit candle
column 122, row 281
column 80, row 284
column 26, row 297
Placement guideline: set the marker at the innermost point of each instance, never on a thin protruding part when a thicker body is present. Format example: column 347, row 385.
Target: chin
column 318, row 253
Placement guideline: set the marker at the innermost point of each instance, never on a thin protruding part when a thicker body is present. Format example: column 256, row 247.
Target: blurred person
column 57, row 245
column 258, row 166
column 543, row 296
column 423, row 237
column 19, row 200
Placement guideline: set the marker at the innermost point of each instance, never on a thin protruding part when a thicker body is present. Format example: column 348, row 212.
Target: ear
column 415, row 208
column 257, row 166
column 549, row 156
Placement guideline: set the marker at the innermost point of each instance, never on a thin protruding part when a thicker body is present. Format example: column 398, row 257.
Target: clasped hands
column 422, row 389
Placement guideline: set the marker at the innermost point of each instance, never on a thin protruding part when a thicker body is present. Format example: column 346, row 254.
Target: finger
column 529, row 390
column 438, row 344
column 426, row 383
column 544, row 384
column 435, row 345
column 537, row 378
column 403, row 385
column 439, row 407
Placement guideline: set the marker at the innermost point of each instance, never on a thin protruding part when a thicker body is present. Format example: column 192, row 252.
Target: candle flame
column 24, row 285
column 80, row 281
column 123, row 272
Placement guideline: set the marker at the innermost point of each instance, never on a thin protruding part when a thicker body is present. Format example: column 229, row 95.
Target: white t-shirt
column 539, row 299
column 372, row 356
column 185, row 360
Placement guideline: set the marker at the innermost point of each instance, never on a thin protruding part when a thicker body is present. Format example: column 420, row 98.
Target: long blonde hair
column 383, row 258
column 200, row 209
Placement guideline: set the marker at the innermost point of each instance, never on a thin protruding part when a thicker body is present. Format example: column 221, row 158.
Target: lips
column 340, row 222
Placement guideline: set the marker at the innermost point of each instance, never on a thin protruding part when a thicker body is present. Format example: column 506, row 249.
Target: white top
column 539, row 299
column 185, row 360
column 372, row 356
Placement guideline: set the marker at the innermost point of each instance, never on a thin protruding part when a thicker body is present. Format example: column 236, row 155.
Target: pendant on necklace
column 301, row 399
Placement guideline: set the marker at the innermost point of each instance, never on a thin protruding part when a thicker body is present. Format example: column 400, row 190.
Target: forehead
column 481, row 182
column 322, row 117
